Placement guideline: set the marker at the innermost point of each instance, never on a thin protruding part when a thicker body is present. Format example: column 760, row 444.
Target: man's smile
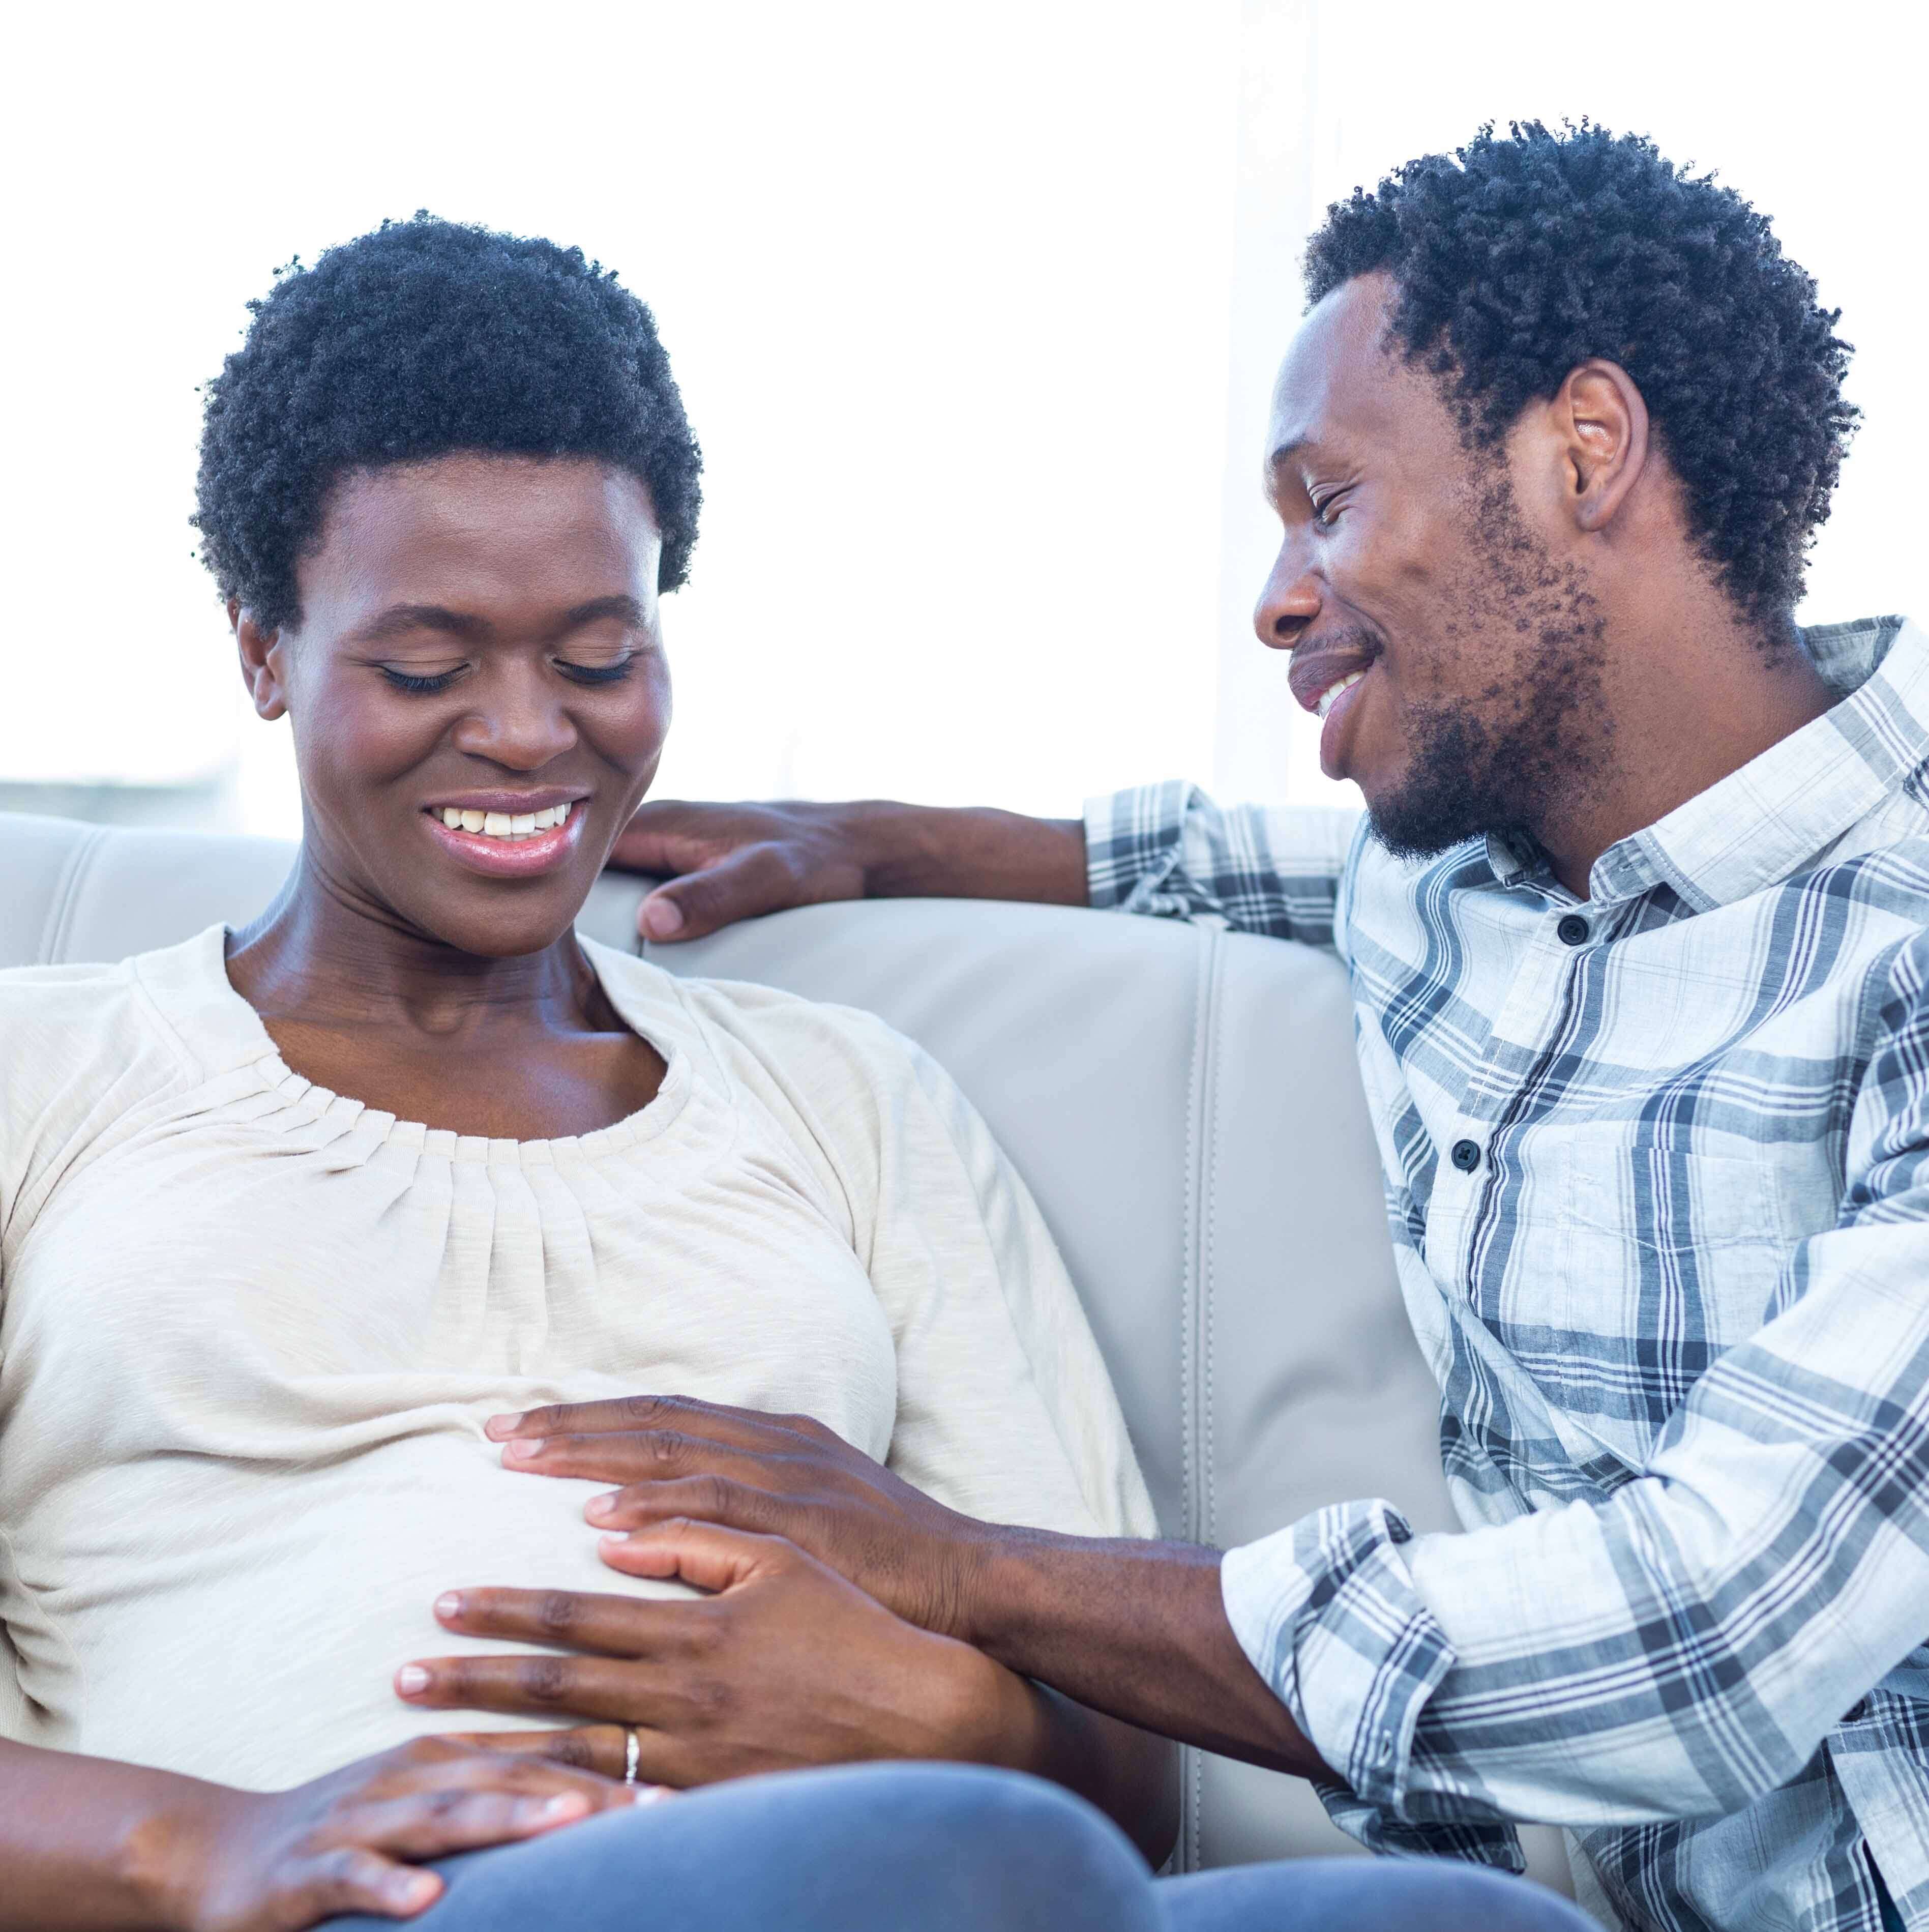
column 1325, row 679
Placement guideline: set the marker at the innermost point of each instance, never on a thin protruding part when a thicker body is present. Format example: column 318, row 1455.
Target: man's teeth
column 1332, row 695
column 504, row 825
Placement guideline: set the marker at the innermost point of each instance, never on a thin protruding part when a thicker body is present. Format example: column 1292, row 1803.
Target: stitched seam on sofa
column 61, row 913
column 1208, row 1278
column 1193, row 1787
column 1212, row 969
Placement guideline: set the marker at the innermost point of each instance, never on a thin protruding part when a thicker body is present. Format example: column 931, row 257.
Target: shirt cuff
column 1327, row 1612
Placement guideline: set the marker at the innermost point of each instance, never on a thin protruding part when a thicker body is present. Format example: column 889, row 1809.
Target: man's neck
column 1686, row 708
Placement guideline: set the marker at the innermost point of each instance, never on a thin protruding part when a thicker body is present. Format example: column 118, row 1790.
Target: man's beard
column 1534, row 740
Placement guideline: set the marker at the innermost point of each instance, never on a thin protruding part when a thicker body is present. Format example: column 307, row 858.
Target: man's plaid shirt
column 1657, row 1174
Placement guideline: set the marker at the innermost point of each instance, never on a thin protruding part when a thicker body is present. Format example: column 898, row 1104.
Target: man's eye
column 609, row 673
column 1326, row 510
column 403, row 681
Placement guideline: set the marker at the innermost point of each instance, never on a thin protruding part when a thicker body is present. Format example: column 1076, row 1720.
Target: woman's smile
column 505, row 837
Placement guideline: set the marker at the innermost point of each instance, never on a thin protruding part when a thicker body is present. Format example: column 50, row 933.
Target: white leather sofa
column 1183, row 1103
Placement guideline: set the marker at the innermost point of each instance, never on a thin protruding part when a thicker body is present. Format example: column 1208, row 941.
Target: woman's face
column 479, row 634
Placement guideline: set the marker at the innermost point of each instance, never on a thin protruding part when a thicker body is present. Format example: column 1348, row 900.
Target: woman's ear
column 261, row 653
column 1602, row 422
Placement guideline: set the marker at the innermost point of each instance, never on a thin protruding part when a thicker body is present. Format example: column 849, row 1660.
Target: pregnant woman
column 288, row 1215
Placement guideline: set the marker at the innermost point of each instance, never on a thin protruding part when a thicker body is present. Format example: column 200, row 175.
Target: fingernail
column 524, row 1449
column 564, row 1803
column 663, row 919
column 611, row 1542
column 412, row 1679
column 413, row 1888
column 448, row 1605
column 599, row 1507
column 652, row 1794
column 497, row 1427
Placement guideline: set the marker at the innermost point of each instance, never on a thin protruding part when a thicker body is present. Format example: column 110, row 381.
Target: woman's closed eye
column 425, row 683
column 603, row 673
column 404, row 680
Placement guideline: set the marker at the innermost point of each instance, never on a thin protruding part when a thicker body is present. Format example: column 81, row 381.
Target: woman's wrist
column 996, row 1717
column 167, row 1848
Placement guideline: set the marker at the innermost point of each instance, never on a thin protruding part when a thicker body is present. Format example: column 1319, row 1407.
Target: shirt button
column 1466, row 1156
column 1572, row 930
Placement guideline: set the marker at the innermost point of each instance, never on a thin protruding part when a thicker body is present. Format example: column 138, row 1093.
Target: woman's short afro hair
column 1517, row 258
column 422, row 339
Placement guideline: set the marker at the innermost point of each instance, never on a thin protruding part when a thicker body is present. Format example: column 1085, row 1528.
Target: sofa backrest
column 1183, row 1103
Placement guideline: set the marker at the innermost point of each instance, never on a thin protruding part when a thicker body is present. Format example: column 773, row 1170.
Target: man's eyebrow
column 1286, row 451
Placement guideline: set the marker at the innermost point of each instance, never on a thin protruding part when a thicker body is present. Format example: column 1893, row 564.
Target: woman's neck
column 325, row 955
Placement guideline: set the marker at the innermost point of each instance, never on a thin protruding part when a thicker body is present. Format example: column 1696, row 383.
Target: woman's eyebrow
column 400, row 619
column 625, row 609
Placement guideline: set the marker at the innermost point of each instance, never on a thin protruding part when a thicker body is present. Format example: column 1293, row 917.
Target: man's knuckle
column 557, row 1612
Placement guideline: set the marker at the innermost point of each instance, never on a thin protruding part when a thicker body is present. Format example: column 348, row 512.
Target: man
column 1637, row 932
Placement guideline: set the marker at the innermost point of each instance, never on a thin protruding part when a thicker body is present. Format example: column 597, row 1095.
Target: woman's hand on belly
column 353, row 1841
column 785, row 1665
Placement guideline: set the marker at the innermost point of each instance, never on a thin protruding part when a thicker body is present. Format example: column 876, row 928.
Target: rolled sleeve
column 1168, row 851
column 1328, row 1613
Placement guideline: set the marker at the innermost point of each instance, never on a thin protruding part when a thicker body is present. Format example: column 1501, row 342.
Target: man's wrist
column 896, row 846
column 917, row 851
column 996, row 1589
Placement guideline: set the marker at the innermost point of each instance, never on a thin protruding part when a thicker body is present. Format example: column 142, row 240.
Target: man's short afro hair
column 420, row 340
column 1518, row 258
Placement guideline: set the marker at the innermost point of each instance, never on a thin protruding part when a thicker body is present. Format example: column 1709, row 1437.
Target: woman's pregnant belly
column 253, row 1637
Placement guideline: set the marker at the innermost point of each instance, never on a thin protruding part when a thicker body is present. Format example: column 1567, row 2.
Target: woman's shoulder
column 61, row 998
column 68, row 1032
column 831, row 1057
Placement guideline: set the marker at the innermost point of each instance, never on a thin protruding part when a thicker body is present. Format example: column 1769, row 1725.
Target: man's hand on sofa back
column 725, row 863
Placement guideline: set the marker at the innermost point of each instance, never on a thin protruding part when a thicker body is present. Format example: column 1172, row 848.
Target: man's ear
column 1602, row 422
column 263, row 653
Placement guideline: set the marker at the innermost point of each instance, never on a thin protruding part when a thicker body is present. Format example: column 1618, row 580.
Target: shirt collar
column 1759, row 823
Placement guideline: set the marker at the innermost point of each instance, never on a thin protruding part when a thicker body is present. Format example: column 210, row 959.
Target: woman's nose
column 519, row 725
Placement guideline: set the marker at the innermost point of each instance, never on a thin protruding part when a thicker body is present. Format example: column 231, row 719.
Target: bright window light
column 975, row 310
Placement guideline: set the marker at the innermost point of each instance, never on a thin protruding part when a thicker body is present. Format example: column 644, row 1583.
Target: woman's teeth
column 1332, row 695
column 506, row 825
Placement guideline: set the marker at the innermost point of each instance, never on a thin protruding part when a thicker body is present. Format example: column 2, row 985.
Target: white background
column 974, row 309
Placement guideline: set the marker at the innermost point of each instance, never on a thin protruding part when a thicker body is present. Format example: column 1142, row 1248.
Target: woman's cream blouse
column 250, row 1331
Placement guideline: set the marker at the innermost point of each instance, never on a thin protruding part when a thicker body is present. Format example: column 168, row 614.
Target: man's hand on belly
column 785, row 1475
column 785, row 1664
column 1135, row 1629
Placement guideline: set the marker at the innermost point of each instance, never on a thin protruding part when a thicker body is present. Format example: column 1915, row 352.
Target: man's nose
column 1288, row 604
column 521, row 724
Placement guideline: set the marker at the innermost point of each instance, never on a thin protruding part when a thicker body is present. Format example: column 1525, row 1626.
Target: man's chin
column 1416, row 822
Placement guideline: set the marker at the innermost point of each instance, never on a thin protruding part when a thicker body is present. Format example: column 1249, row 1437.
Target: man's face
column 1454, row 654
column 479, row 635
